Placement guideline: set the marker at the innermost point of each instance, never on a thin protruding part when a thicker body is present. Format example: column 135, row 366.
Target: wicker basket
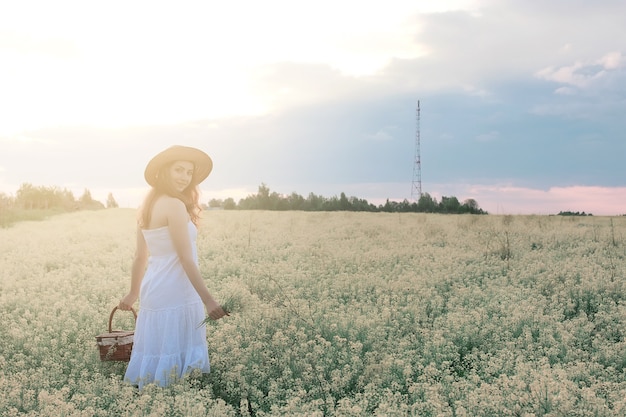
column 116, row 345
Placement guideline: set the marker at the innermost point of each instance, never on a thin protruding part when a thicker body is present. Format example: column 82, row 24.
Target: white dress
column 169, row 341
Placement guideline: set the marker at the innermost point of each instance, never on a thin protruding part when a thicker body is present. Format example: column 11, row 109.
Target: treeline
column 30, row 197
column 572, row 213
column 266, row 200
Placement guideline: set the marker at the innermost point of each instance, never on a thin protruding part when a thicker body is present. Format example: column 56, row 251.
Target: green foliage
column 86, row 202
column 30, row 197
column 572, row 213
column 111, row 203
column 38, row 203
column 426, row 204
column 266, row 200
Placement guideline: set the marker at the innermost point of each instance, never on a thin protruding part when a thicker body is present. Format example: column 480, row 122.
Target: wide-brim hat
column 201, row 161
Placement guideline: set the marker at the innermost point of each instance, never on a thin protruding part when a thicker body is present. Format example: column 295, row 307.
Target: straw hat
column 201, row 161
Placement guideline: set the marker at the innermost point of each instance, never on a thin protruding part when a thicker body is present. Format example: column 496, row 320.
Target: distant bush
column 571, row 213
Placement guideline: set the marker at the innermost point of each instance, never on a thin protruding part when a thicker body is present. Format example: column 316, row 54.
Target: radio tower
column 416, row 190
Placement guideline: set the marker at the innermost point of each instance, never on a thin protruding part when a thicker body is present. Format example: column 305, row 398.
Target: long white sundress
column 169, row 341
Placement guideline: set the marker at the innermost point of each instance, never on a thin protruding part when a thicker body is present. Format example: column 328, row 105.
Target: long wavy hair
column 190, row 196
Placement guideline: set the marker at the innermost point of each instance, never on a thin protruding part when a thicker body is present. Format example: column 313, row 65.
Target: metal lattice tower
column 416, row 189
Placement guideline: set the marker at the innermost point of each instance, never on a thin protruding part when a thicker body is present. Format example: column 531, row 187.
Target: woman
column 169, row 341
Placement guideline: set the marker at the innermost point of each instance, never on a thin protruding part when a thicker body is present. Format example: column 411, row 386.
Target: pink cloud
column 500, row 198
column 604, row 201
column 581, row 74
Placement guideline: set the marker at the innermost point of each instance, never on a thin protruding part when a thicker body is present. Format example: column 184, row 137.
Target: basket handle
column 113, row 312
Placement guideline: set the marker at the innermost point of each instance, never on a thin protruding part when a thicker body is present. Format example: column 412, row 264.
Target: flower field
column 333, row 314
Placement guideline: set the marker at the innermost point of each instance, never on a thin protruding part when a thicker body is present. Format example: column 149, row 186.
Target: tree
column 315, row 202
column 426, row 204
column 404, row 206
column 344, row 203
column 69, row 201
column 6, row 201
column 215, row 203
column 27, row 196
column 296, row 201
column 389, row 207
column 450, row 205
column 263, row 197
column 87, row 202
column 361, row 205
column 111, row 203
column 229, row 204
column 331, row 204
column 471, row 206
column 86, row 197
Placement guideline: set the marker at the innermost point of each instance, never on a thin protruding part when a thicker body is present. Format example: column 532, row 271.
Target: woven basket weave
column 116, row 345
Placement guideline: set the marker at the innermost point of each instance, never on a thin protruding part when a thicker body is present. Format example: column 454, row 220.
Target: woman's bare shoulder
column 166, row 208
column 169, row 203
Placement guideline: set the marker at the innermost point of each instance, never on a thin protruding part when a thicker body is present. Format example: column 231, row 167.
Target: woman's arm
column 137, row 272
column 177, row 223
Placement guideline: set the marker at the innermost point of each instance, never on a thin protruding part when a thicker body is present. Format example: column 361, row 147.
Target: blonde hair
column 163, row 186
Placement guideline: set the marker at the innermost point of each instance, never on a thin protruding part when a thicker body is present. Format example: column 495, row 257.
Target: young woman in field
column 169, row 341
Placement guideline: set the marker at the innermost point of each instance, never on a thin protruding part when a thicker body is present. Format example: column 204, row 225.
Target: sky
column 522, row 102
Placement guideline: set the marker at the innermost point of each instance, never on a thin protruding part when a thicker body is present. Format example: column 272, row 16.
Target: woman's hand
column 214, row 310
column 127, row 302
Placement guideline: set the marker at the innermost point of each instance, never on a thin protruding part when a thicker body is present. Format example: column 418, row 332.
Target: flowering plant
column 232, row 303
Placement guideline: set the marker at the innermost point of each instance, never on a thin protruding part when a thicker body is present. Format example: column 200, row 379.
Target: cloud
column 583, row 74
column 492, row 40
column 612, row 60
column 567, row 91
column 511, row 199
